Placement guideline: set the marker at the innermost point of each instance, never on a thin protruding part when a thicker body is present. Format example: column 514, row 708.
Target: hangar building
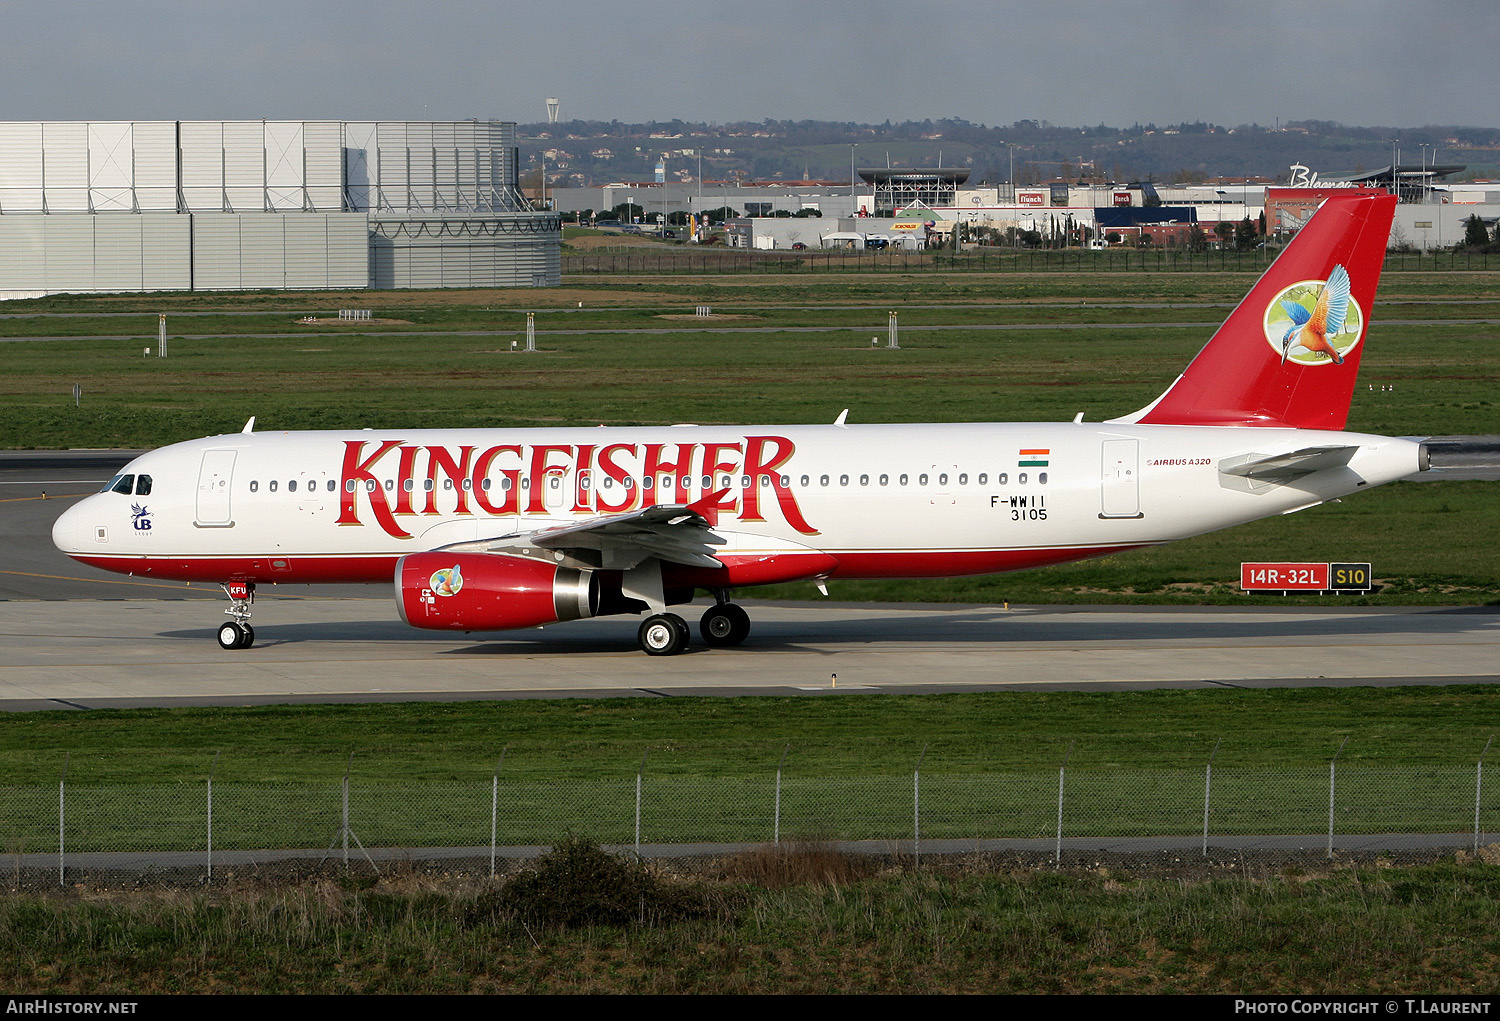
column 239, row 205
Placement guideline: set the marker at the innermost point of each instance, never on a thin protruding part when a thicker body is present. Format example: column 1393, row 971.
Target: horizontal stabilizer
column 1280, row 469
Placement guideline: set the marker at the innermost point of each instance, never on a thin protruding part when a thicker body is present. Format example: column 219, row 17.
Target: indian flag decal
column 1034, row 458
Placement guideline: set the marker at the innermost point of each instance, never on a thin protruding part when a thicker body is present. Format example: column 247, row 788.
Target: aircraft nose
column 70, row 530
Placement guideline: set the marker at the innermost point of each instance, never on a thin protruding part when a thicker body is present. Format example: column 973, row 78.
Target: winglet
column 249, row 426
column 842, row 416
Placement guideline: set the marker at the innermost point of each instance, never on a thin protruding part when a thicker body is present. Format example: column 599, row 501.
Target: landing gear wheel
column 249, row 638
column 233, row 635
column 724, row 625
column 663, row 634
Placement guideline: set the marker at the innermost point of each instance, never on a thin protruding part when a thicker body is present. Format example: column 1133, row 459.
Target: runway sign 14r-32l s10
column 1285, row 577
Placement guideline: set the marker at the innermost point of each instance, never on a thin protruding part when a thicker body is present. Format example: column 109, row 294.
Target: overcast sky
column 1116, row 62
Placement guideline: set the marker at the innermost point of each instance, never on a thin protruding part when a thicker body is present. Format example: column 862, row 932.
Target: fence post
column 1332, row 767
column 495, row 806
column 1208, row 779
column 1479, row 783
column 1061, row 773
column 776, row 811
column 211, row 770
column 916, row 808
column 62, row 785
column 638, row 774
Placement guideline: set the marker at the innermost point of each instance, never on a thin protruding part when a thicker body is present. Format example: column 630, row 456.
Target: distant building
column 232, row 205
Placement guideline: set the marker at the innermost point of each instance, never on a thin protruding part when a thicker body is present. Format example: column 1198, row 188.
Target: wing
column 675, row 533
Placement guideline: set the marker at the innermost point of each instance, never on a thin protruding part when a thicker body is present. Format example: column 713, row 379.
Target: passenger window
column 583, row 483
column 786, row 482
column 369, row 486
column 843, row 480
column 744, row 482
column 1002, row 478
column 805, row 480
column 1021, row 478
column 629, row 483
column 885, row 479
column 390, row 484
column 349, row 486
column 943, row 479
column 983, row 478
column 963, row 480
column 485, row 485
column 864, row 480
column 447, row 483
column 143, row 485
column 331, row 485
column 254, row 486
column 708, row 482
column 408, row 485
column 505, row 483
column 291, row 486
column 765, row 482
column 125, row 484
column 922, row 479
column 823, row 480
column 647, row 482
column 272, row 485
column 1042, row 477
column 903, row 480
column 427, row 485
column 469, row 484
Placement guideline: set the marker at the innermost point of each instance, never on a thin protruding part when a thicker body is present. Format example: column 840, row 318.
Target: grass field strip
column 1318, row 809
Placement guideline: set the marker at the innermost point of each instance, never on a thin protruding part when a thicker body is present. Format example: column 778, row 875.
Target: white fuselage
column 880, row 500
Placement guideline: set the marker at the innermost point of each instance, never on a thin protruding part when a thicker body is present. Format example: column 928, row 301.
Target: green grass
column 847, row 736
column 460, row 371
column 1368, row 931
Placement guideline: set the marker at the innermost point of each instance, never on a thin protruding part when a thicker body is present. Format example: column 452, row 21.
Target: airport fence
column 638, row 262
column 74, row 830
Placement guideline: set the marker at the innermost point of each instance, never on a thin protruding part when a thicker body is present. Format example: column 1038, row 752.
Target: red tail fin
column 1289, row 353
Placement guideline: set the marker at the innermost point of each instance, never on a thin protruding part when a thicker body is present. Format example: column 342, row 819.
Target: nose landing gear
column 238, row 634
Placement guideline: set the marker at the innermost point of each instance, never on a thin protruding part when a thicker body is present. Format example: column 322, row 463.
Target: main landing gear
column 237, row 633
column 722, row 625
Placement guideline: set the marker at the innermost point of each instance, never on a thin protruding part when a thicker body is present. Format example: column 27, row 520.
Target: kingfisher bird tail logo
column 1315, row 322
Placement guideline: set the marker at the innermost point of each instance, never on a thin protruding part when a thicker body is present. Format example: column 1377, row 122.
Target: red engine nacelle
column 490, row 592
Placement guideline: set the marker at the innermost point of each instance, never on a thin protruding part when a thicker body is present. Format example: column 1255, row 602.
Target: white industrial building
column 232, row 205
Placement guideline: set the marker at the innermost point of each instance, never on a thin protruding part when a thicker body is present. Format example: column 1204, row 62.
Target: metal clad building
column 230, row 205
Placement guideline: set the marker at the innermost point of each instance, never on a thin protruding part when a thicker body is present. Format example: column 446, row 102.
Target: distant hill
column 598, row 152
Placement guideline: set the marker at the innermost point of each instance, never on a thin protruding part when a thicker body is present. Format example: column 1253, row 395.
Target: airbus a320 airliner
column 486, row 529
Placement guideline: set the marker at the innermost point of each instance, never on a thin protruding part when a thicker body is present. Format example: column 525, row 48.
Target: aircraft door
column 1120, row 496
column 557, row 497
column 214, row 476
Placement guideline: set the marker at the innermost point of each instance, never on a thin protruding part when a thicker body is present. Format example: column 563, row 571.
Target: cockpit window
column 143, row 485
column 123, row 484
column 110, row 485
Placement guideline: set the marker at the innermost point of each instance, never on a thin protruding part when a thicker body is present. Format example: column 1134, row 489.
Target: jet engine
column 490, row 592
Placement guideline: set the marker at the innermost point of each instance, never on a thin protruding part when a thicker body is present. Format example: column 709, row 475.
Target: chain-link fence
column 637, row 262
column 72, row 829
